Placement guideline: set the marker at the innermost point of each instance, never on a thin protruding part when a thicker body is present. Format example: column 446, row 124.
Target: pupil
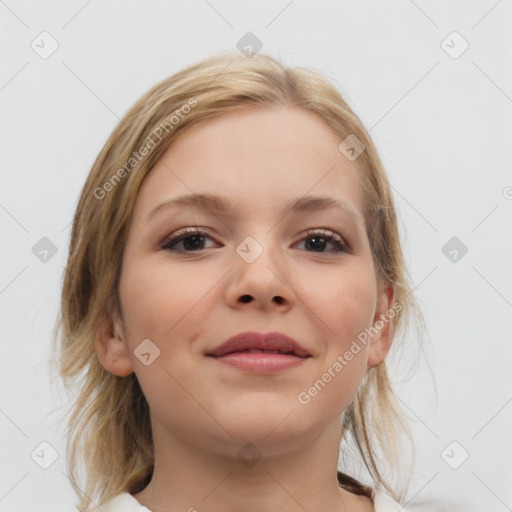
column 198, row 238
column 315, row 245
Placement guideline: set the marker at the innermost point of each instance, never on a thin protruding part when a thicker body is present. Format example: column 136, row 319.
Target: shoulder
column 382, row 502
column 124, row 502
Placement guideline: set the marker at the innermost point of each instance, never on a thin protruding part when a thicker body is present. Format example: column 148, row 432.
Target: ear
column 382, row 326
column 111, row 346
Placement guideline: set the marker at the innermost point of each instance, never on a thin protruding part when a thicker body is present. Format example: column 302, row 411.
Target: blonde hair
column 109, row 427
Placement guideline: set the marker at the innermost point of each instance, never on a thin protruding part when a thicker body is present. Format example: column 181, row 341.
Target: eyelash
column 326, row 234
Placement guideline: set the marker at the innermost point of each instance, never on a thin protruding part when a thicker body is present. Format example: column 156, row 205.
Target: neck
column 188, row 477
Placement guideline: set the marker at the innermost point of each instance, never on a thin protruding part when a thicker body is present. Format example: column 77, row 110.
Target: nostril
column 246, row 298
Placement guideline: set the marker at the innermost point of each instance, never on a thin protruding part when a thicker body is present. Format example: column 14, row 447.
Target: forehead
column 259, row 157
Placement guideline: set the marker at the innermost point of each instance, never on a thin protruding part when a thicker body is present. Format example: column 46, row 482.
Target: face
column 256, row 265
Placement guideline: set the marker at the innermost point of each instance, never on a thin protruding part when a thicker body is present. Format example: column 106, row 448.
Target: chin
column 271, row 426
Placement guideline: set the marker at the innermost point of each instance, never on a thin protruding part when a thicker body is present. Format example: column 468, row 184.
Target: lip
column 235, row 352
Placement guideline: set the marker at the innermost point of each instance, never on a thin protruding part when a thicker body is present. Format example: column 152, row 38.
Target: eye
column 193, row 240
column 317, row 239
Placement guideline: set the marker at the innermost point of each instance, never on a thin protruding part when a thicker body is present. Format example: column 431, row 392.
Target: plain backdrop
column 432, row 81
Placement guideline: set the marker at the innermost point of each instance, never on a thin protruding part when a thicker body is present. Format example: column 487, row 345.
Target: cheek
column 346, row 305
column 158, row 304
column 159, row 298
column 343, row 301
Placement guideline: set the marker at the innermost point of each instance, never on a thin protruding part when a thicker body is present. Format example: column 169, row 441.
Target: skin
column 186, row 303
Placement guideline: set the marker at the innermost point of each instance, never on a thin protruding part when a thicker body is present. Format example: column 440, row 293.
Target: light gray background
column 442, row 125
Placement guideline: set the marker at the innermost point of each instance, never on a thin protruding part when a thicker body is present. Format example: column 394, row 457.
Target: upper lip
column 262, row 341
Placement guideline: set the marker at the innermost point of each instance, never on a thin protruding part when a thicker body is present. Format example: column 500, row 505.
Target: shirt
column 125, row 502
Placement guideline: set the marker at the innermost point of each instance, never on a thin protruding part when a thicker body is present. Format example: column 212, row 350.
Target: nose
column 259, row 280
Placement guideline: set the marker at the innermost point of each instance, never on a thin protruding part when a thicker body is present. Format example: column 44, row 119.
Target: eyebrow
column 225, row 205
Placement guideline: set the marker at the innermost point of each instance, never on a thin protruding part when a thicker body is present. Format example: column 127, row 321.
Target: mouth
column 263, row 353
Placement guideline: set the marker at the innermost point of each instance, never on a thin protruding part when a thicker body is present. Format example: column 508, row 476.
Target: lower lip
column 261, row 362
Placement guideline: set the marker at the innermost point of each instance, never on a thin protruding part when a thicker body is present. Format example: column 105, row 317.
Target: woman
column 235, row 281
